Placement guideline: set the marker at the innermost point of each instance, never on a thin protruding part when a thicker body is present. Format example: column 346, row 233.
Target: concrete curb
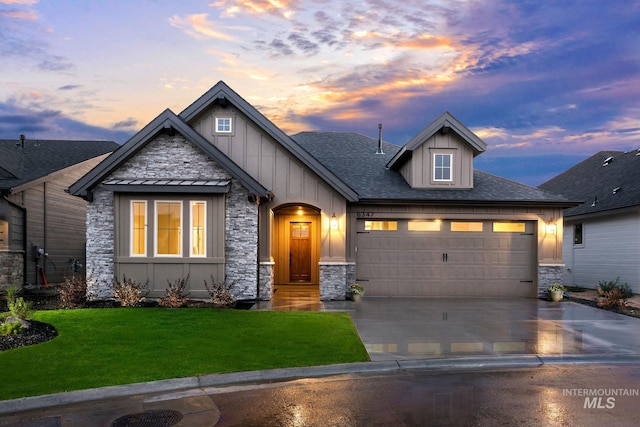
column 287, row 374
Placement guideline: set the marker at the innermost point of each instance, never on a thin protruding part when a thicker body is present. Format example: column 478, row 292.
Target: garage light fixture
column 550, row 227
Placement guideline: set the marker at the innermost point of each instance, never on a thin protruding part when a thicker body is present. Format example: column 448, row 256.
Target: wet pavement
column 417, row 328
column 435, row 361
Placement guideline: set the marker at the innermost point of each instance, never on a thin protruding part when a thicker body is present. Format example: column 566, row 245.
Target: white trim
column 204, row 228
column 450, row 179
column 155, row 236
column 217, row 125
column 131, row 228
column 551, row 265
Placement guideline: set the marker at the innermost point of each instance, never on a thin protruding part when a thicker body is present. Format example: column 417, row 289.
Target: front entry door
column 300, row 252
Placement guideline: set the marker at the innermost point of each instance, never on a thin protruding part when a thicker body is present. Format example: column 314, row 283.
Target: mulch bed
column 627, row 311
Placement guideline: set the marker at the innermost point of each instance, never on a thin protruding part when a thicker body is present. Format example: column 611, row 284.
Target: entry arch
column 297, row 241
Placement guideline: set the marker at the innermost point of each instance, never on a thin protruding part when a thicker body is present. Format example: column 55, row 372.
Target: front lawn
column 103, row 347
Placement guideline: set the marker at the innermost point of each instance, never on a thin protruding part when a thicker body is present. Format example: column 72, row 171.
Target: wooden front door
column 300, row 252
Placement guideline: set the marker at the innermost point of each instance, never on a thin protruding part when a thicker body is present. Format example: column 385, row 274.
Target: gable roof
column 22, row 163
column 602, row 185
column 445, row 123
column 353, row 158
column 167, row 121
column 221, row 92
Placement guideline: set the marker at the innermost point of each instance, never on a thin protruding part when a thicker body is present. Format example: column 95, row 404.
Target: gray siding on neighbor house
column 610, row 249
column 55, row 221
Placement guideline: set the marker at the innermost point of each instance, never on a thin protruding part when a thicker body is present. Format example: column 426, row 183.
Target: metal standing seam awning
column 168, row 185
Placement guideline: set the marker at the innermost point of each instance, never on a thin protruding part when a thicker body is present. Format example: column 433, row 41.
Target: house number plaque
column 365, row 215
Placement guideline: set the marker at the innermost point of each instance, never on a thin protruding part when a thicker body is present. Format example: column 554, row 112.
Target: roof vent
column 379, row 139
column 638, row 152
column 607, row 161
column 617, row 190
column 595, row 201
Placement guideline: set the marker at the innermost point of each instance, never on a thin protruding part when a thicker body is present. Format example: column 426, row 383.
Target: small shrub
column 129, row 292
column 220, row 294
column 9, row 328
column 73, row 292
column 613, row 294
column 18, row 307
column 175, row 295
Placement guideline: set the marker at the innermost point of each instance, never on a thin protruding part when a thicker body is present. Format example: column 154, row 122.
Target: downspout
column 258, row 254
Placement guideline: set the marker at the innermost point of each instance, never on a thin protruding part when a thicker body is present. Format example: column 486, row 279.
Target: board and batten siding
column 418, row 171
column 56, row 221
column 277, row 170
column 610, row 249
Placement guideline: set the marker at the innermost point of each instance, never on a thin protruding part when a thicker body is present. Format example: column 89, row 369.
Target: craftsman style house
column 42, row 228
column 601, row 235
column 219, row 192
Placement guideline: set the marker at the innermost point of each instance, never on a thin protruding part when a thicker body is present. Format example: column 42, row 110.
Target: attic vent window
column 223, row 125
column 607, row 161
column 616, row 190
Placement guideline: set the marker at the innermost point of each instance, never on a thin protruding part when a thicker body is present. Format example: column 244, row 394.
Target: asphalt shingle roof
column 38, row 158
column 352, row 158
column 592, row 181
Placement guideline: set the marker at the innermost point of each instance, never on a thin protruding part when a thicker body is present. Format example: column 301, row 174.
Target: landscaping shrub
column 18, row 307
column 220, row 294
column 8, row 328
column 129, row 292
column 73, row 292
column 175, row 295
column 613, row 294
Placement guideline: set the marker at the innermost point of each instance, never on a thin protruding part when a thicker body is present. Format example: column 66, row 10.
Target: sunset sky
column 545, row 84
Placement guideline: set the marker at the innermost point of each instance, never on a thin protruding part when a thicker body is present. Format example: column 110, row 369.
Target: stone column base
column 266, row 280
column 335, row 278
column 547, row 275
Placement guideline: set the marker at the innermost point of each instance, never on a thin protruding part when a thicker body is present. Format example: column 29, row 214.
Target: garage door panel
column 445, row 263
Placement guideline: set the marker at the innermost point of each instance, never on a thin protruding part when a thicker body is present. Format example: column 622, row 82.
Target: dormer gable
column 440, row 156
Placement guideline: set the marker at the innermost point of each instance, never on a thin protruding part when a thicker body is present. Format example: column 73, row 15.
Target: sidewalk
column 188, row 399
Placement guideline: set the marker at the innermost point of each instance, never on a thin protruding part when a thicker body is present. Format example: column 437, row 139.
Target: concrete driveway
column 418, row 328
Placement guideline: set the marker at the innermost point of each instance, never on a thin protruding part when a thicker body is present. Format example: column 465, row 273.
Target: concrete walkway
column 400, row 334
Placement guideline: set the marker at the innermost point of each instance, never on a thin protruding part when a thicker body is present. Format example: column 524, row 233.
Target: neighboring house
column 602, row 235
column 42, row 228
column 220, row 192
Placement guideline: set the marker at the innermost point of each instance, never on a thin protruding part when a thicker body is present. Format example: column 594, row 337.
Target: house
column 41, row 227
column 601, row 235
column 218, row 192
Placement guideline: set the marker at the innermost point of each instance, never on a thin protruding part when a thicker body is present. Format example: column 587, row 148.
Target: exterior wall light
column 550, row 228
column 334, row 222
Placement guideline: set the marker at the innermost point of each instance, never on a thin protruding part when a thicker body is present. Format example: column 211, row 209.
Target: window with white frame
column 198, row 228
column 168, row 236
column 223, row 124
column 442, row 168
column 138, row 228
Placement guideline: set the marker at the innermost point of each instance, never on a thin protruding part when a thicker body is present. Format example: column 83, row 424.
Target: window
column 424, row 225
column 223, row 124
column 138, row 228
column 442, row 167
column 4, row 234
column 198, row 228
column 381, row 225
column 168, row 228
column 577, row 234
column 466, row 226
column 509, row 227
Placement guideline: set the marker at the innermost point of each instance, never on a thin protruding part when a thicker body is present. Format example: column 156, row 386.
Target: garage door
column 446, row 258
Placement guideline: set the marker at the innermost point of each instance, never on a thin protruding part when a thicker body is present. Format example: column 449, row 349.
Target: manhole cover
column 160, row 418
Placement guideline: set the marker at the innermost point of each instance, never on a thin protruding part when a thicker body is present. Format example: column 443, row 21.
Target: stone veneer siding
column 547, row 275
column 170, row 157
column 267, row 278
column 11, row 268
column 335, row 279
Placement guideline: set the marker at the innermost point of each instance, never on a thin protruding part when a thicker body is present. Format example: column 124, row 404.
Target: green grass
column 103, row 347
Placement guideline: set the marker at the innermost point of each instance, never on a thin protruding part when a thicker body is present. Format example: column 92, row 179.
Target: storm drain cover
column 159, row 418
